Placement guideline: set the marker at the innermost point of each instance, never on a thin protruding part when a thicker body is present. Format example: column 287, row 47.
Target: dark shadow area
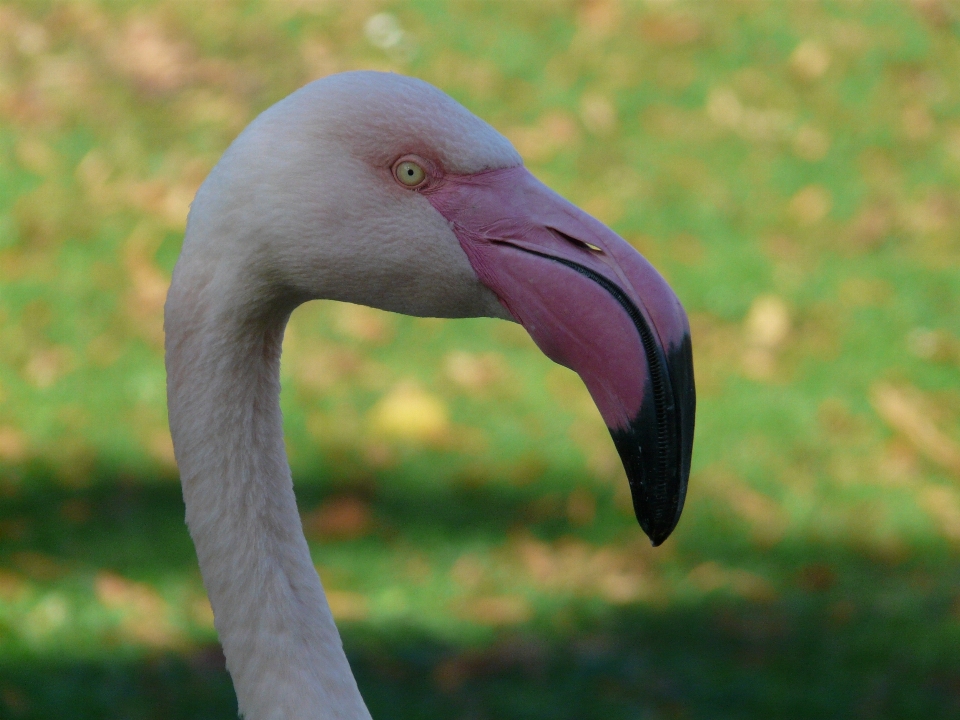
column 136, row 524
column 719, row 660
column 166, row 686
column 844, row 634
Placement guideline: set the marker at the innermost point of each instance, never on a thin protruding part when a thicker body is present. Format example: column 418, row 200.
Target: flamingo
column 378, row 189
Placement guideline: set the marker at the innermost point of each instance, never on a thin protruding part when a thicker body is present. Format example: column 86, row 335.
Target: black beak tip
column 658, row 491
column 657, row 519
column 657, row 534
column 657, row 446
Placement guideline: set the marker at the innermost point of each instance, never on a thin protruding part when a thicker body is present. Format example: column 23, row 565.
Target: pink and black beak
column 594, row 304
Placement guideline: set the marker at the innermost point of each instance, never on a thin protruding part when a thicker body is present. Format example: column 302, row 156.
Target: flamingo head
column 379, row 189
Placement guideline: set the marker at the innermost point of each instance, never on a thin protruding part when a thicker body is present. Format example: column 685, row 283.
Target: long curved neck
column 279, row 638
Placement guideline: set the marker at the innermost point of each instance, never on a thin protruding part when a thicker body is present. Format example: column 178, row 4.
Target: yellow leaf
column 410, row 413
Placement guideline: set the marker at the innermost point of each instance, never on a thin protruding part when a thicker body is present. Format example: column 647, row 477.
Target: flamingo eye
column 409, row 173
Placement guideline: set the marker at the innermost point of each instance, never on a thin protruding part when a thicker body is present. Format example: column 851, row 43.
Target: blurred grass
column 793, row 168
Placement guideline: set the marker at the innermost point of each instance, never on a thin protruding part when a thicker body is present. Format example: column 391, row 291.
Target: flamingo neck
column 282, row 647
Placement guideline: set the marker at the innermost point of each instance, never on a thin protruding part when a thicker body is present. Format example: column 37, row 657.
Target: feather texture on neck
column 281, row 644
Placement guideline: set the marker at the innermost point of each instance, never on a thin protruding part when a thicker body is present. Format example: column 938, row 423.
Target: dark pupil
column 410, row 172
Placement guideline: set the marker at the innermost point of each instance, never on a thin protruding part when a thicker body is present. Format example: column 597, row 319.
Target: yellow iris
column 409, row 173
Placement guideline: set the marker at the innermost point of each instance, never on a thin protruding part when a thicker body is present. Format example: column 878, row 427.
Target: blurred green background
column 793, row 168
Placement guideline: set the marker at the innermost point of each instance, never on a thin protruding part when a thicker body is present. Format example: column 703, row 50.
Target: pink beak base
column 594, row 304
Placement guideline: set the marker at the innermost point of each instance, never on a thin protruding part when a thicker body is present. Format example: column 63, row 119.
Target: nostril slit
column 576, row 241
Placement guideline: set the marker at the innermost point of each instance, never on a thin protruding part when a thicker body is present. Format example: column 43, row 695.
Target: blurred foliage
column 793, row 168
